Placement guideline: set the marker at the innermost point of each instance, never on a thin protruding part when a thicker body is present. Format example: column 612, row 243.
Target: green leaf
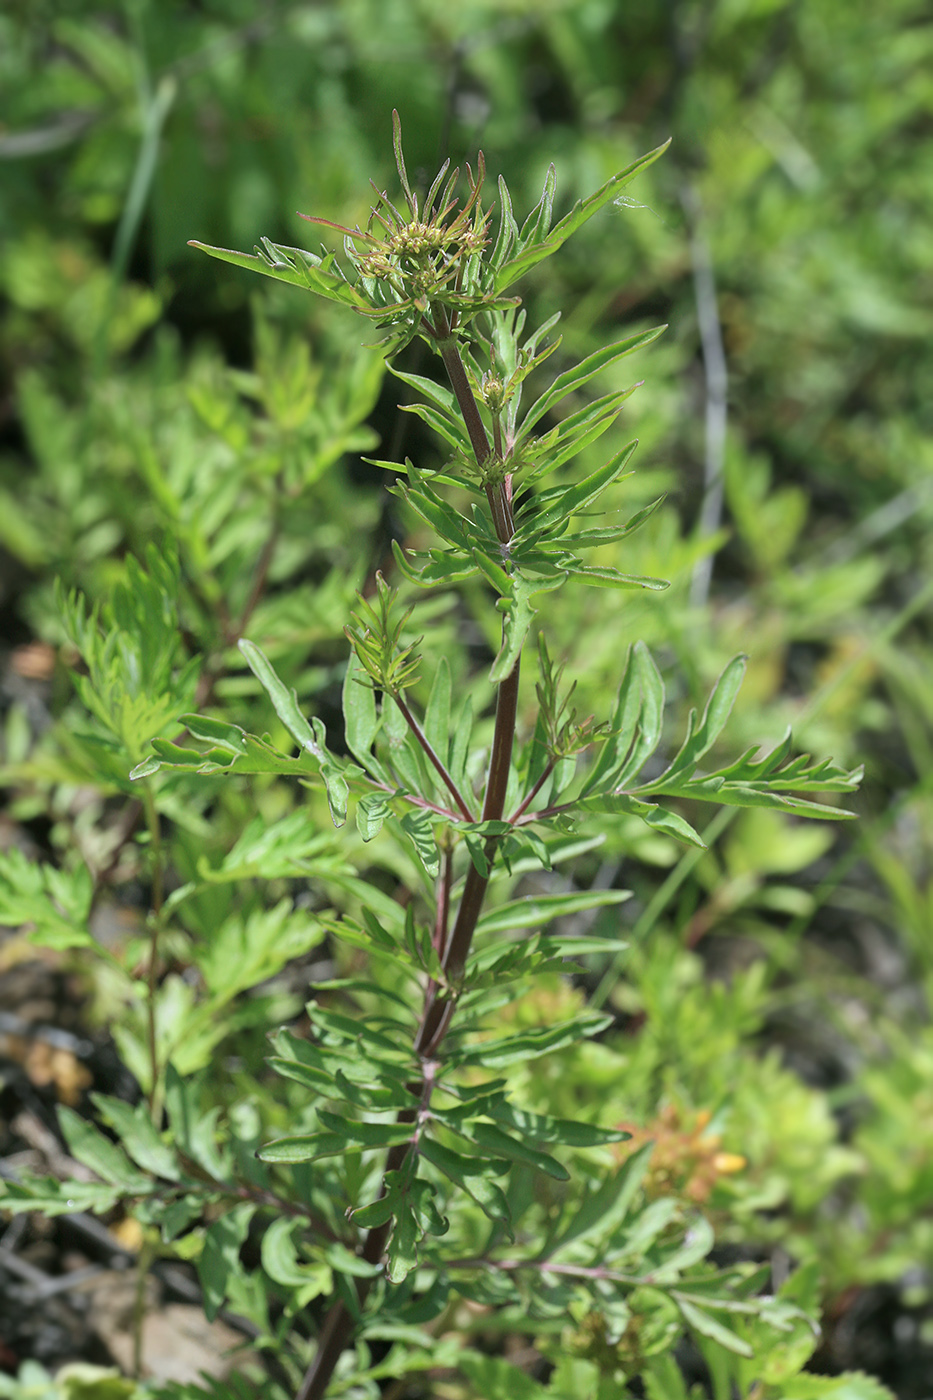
column 410, row 1200
column 663, row 1379
column 561, row 1130
column 342, row 1260
column 515, row 602
column 576, row 432
column 359, row 710
column 500, row 1144
column 604, row 1209
column 437, row 713
column 508, row 228
column 852, row 1385
column 448, row 523
column 338, row 791
column 496, row 1379
column 616, row 748
column 540, row 247
column 419, row 828
column 292, row 265
column 538, row 222
column 90, row 1147
column 232, row 748
column 518, row 616
column 387, row 1039
column 647, row 734
column 441, row 412
column 284, row 701
column 699, row 1320
column 138, row 1135
column 450, row 429
column 695, row 1246
column 403, row 1246
column 471, row 1175
column 220, row 1257
column 589, row 539
column 275, row 850
column 248, row 948
column 392, row 1098
column 700, row 738
column 178, row 1216
column 53, row 1197
column 309, row 740
column 530, row 1045
column 371, row 811
column 194, row 1130
column 611, row 578
column 574, row 378
column 308, row 1147
column 536, row 911
column 57, row 902
column 317, row 1077
column 460, row 746
column 761, row 794
column 576, row 498
column 281, row 1262
column 658, row 818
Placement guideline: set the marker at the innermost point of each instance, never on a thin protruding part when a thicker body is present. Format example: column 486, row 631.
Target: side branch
column 440, row 1008
column 434, row 759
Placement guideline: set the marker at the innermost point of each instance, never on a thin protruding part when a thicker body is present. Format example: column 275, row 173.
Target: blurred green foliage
column 780, row 983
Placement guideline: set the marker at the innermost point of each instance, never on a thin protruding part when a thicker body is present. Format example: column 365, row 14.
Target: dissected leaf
column 220, row 1258
column 88, row 1145
column 541, row 245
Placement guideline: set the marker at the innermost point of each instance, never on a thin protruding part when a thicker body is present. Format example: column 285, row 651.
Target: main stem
column 338, row 1325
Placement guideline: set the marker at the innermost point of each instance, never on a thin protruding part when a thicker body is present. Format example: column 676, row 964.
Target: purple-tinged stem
column 433, row 758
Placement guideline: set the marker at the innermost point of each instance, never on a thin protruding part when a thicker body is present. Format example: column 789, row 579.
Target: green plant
column 404, row 1172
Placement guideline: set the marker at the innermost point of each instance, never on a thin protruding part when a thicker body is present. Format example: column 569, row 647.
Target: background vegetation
column 774, row 1004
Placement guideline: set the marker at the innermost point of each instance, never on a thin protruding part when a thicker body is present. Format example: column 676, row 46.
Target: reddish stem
column 337, row 1329
column 433, row 758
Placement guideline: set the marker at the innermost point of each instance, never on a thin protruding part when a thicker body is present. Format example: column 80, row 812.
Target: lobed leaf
column 701, row 737
column 699, row 1320
column 219, row 1260
column 285, row 702
column 534, row 911
column 89, row 1146
column 418, row 826
column 53, row 1197
column 280, row 1259
column 230, row 748
column 531, row 1044
column 295, row 266
column 605, row 1208
column 540, row 245
column 492, row 1139
column 543, row 1128
column 56, row 902
column 308, row 1147
column 577, row 432
column 139, row 1136
column 573, row 379
column 359, row 711
column 471, row 1174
